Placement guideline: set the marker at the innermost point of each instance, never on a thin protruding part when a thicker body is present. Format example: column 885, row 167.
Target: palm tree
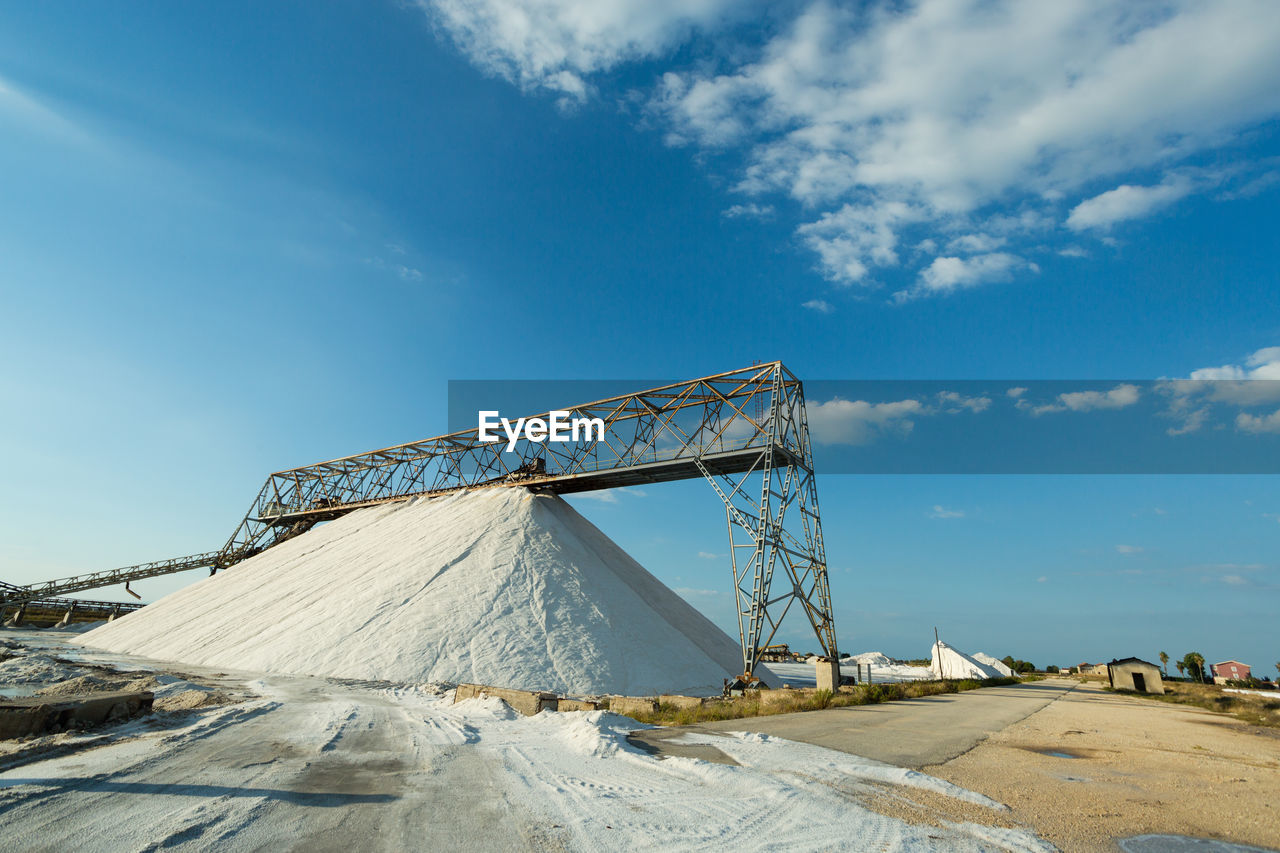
column 1195, row 665
column 1164, row 661
column 1181, row 667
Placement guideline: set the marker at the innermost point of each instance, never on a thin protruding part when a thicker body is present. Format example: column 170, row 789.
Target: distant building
column 1099, row 669
column 1135, row 674
column 781, row 653
column 1229, row 670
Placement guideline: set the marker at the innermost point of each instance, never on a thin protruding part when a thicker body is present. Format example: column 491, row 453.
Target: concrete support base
column 527, row 702
column 828, row 674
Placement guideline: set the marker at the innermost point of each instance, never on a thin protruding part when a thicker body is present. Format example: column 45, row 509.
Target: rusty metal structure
column 43, row 612
column 745, row 432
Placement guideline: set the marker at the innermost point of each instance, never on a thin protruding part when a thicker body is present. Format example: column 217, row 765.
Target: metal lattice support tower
column 745, row 431
column 782, row 527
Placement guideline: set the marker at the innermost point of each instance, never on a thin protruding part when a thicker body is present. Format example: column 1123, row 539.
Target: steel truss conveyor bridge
column 745, row 432
column 51, row 611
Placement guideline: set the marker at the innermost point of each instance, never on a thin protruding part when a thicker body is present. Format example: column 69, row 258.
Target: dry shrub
column 750, row 704
column 1252, row 709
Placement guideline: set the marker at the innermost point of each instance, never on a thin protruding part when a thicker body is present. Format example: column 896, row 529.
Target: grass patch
column 762, row 703
column 1255, row 710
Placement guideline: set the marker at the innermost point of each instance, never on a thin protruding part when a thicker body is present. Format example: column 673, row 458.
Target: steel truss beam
column 17, row 599
column 744, row 431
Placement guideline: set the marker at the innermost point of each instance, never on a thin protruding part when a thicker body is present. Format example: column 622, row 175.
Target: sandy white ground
column 497, row 586
column 316, row 764
column 1269, row 694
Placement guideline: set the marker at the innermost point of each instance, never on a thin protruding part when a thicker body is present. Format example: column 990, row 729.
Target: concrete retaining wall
column 578, row 705
column 44, row 714
column 527, row 702
column 632, row 705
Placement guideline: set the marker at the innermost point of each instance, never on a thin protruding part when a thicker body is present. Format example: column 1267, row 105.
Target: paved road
column 912, row 733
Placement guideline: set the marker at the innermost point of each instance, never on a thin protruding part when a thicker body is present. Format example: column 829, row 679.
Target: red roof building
column 1230, row 669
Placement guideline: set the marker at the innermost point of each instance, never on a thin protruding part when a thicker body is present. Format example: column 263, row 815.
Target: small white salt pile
column 951, row 663
column 497, row 586
column 994, row 663
column 878, row 666
column 878, row 659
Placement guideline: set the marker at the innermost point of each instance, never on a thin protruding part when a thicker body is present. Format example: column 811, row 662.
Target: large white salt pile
column 951, row 663
column 878, row 659
column 994, row 663
column 497, row 586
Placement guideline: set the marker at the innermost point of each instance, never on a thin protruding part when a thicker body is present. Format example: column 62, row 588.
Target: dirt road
column 911, row 733
column 1080, row 766
column 1095, row 766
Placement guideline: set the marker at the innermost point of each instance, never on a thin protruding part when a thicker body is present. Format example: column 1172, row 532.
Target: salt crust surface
column 498, row 586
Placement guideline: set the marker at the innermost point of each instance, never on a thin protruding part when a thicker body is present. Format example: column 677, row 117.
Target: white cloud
column 687, row 593
column 947, row 274
column 556, row 44
column 953, row 402
column 940, row 511
column 604, row 496
column 1190, row 421
column 858, row 422
column 1255, row 382
column 947, row 108
column 1128, row 549
column 752, row 210
column 1263, row 364
column 401, row 271
column 1087, row 401
column 976, row 243
column 1126, row 202
column 839, row 421
column 609, row 496
column 979, row 118
column 1073, row 252
column 1246, row 422
column 849, row 239
column 1041, row 579
column 822, row 306
column 1084, row 401
column 707, row 555
column 1016, row 393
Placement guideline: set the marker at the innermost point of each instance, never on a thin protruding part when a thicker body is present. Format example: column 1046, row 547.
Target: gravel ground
column 1094, row 767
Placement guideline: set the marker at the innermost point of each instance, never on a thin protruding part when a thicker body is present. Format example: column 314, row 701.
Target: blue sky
column 240, row 238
